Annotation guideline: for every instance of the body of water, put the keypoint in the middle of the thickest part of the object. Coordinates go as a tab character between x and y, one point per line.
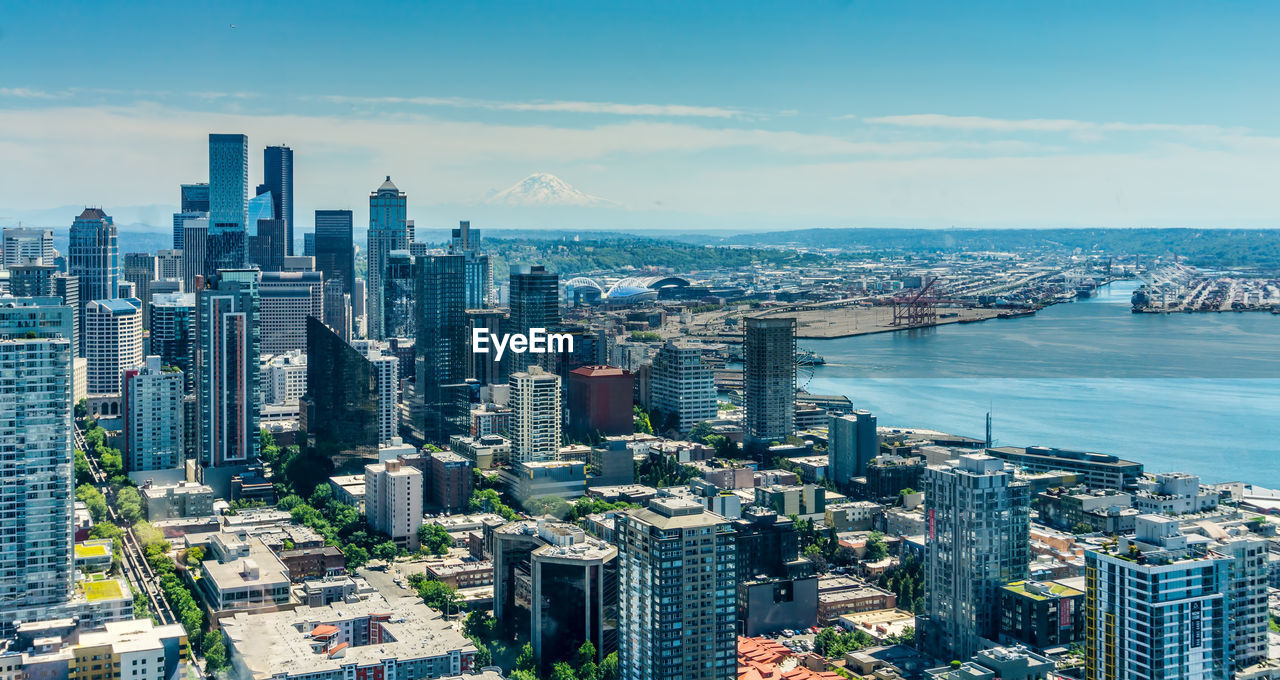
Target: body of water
1198	393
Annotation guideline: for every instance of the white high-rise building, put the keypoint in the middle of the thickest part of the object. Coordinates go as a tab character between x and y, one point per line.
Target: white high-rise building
28	246
169	264
36	495
978	521
112	341
386	367
1157	606
154	426
682	385
284	378
393	500
535	415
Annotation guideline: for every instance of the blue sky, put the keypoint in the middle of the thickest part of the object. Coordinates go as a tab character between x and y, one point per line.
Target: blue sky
731	115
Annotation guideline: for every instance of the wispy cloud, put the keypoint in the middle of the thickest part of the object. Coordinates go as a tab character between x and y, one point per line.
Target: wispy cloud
982	123
28	93
559	106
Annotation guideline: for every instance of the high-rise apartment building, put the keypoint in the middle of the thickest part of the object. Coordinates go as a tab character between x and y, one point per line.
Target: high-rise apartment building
112	342
335	254
36	481
277	177
682	388
769	380
465	241
31	279
140	270
94	255
449	481
287	299
386	371
228	397
535	303
1157	606
1248	618
677	594
397	297
851	443
388	231
535	415
977	539
575	595
393	501
485	368
337	308
30	246
441	324
154	427
173	333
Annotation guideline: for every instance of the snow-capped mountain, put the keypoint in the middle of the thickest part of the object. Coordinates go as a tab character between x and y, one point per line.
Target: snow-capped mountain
543	188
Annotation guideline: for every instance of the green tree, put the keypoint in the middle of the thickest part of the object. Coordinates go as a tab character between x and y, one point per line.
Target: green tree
609	667
700	432
434	539
876	548
479	625
563	671
439	595
195	555
585	654
1082	528
526	660
356	556
386	551
129	504
548	505
215	655
641	420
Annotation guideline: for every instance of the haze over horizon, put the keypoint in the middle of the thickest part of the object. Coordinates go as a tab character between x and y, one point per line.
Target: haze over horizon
703	117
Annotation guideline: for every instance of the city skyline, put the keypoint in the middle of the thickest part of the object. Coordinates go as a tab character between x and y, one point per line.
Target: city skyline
812	116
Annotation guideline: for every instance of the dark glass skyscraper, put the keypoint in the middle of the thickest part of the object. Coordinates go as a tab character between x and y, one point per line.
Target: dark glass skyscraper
398	296
535	303
195	197
440	383
388	231
277	177
465	241
769	379
340	408
335	254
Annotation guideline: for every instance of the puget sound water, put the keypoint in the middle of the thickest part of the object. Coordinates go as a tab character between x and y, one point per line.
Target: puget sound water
1198	393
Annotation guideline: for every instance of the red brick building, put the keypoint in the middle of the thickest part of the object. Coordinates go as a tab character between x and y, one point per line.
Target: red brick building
600	400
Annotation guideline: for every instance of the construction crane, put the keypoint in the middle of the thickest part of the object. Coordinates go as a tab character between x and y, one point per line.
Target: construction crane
916	310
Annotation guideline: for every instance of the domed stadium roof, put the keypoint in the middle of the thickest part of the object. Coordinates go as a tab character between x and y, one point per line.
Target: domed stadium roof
583	282
650	283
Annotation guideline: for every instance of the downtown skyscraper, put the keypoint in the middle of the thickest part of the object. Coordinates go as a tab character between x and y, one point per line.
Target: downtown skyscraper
440	383
465	241
94	255
227	390
36	496
535	303
388	231
226	247
277	177
335	253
